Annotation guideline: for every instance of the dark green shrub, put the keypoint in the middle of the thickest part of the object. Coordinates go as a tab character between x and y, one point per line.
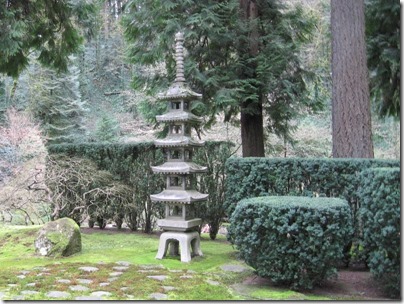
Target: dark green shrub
380	215
294	241
253	177
214	156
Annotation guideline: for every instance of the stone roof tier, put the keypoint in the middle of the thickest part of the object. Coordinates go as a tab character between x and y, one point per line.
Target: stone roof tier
179	196
179	168
179	90
178	141
179	115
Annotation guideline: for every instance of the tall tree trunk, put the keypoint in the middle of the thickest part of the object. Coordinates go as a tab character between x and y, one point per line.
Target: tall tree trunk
252	126
351	117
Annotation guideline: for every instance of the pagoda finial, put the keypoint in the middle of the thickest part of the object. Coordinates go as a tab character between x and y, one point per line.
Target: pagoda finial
179	57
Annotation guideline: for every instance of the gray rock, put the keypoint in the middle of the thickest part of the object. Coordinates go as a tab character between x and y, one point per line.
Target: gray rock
233	268
58	238
85	298
120	268
158	296
84	281
186	277
147	270
151	266
123	263
89	268
112	279
18	298
64	281
101	294
104	284
24	272
78	288
21	276
214	283
30	284
158	277
29	292
124	288
168	288
115	274
12	285
57	294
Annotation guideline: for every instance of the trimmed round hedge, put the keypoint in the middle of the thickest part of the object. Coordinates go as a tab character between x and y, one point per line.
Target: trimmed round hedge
294	241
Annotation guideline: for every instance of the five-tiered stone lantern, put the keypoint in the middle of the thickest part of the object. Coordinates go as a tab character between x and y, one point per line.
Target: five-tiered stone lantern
179	225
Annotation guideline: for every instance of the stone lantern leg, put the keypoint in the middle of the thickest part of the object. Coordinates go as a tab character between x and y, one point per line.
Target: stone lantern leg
180	226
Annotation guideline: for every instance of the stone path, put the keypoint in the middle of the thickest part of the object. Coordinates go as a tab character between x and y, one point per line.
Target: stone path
84	287
78	289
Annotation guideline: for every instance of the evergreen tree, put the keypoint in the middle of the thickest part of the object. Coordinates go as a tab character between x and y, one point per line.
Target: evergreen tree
48	27
55	100
107	129
383	49
240	62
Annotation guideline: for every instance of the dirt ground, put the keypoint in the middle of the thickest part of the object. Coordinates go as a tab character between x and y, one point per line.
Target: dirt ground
351	284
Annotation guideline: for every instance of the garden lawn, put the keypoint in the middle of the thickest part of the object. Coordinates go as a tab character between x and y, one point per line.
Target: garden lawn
26	276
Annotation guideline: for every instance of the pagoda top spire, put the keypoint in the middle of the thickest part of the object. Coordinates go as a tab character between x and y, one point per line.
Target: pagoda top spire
179	89
179	57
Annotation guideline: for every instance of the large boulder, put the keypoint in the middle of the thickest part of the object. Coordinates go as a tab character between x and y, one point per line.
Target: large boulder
59	238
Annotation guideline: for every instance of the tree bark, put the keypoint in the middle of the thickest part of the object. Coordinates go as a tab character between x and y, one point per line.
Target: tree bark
251	119
351	116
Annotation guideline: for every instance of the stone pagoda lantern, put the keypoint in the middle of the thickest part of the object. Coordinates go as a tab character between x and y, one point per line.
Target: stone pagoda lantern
180	225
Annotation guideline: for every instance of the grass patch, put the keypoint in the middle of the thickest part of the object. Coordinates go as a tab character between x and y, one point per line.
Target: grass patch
201	279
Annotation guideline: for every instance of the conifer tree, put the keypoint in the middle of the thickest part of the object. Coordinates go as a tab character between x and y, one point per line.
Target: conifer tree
55	100
51	28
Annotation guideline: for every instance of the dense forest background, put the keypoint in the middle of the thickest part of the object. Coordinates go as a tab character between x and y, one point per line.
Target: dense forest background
98	100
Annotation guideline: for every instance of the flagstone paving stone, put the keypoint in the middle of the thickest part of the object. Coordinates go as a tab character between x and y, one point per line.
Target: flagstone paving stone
158	277
101	293
78	288
158	296
84	281
57	294
120	268
89	268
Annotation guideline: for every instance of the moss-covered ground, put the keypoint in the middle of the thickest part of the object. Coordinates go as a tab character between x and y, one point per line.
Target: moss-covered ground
201	279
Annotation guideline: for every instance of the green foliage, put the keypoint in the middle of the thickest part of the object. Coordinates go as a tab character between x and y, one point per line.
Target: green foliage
214	156
219	62
295	241
107	129
55	101
383	49
45	26
253	177
380	215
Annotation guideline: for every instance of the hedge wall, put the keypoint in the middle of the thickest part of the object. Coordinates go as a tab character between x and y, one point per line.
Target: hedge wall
294	241
254	177
380	215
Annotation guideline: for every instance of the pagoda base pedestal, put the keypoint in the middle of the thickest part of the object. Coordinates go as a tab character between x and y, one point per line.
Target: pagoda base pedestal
180	243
